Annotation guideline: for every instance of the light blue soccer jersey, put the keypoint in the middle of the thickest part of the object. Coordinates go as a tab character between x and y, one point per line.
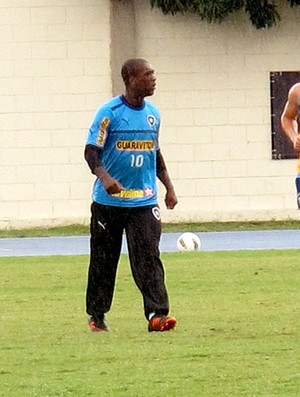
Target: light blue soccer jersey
129	139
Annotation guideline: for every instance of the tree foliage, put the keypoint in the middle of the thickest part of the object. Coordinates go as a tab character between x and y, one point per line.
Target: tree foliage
262	13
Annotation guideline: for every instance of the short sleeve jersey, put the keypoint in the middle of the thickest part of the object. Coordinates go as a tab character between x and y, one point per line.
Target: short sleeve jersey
128	138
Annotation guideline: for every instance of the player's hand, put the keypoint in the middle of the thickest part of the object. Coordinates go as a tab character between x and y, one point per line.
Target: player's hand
171	200
297	142
111	185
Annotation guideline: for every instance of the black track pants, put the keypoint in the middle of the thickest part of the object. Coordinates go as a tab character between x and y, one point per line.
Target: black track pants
143	230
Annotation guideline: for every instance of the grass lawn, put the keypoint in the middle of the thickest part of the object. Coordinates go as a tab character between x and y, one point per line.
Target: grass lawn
81	230
238	329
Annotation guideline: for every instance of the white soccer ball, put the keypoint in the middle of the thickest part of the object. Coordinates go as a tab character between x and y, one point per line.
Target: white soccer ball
188	242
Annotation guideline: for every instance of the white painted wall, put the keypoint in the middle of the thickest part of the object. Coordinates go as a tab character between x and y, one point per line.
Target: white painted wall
54	71
213	92
214	95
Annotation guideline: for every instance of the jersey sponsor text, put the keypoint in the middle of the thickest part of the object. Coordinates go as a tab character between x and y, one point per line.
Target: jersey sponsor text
135	145
103	131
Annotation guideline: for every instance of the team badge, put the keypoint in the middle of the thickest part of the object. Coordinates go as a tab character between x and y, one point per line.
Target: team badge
151	120
156	213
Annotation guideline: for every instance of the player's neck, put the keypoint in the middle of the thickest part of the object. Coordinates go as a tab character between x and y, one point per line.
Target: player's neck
133	100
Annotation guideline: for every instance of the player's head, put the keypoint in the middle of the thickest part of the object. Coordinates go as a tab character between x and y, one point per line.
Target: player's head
138	76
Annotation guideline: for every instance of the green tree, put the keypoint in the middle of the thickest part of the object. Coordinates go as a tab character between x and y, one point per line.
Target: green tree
262	13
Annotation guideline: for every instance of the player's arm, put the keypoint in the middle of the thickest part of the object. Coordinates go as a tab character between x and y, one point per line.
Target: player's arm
163	176
289	116
92	155
95	145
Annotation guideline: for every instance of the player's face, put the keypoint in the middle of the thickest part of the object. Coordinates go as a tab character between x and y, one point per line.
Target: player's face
145	81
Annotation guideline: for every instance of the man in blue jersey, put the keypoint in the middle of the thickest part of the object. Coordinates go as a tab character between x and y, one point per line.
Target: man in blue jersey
122	151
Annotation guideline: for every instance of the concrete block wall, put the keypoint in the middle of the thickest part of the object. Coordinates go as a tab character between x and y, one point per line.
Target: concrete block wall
54	71
213	90
60	59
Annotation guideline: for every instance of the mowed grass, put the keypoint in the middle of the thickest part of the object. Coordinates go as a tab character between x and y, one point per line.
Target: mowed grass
82	230
238	329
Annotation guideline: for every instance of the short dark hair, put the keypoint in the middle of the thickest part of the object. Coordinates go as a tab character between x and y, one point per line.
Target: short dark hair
130	68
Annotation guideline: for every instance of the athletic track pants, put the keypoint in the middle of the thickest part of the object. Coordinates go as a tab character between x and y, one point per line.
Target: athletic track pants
143	230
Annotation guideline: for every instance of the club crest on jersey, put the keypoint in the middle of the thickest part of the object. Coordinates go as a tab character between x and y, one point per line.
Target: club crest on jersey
156	213
151	120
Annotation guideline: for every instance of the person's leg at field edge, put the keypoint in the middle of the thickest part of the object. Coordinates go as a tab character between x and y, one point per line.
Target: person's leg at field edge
105	248
143	232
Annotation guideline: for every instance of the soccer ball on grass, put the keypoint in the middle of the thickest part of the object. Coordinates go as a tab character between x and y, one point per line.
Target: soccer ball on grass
188	242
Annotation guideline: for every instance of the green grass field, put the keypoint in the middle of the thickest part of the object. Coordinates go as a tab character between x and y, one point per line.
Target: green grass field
80	230
238	329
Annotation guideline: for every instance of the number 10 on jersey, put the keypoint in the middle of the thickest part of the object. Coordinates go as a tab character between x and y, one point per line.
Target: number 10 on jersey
136	160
